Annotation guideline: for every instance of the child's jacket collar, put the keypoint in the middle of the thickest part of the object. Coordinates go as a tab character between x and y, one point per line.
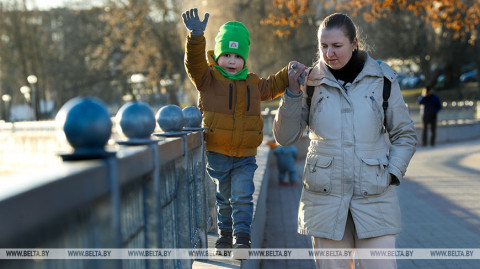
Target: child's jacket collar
211	58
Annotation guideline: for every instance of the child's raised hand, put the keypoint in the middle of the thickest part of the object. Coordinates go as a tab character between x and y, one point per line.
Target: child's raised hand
296	76
192	21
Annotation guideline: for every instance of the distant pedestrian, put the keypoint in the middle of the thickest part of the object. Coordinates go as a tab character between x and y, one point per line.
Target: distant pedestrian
431	106
286	157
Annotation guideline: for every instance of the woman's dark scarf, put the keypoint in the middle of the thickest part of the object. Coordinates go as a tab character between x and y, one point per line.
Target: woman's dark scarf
350	71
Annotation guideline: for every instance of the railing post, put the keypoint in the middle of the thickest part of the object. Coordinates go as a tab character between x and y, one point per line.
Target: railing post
136	120
193	121
198	170
172	120
183	203
87	127
115	201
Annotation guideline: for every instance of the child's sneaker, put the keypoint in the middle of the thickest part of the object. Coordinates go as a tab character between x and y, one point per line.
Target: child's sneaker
224	241
242	240
241	246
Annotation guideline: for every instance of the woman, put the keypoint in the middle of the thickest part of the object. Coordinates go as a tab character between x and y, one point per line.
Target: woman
348	200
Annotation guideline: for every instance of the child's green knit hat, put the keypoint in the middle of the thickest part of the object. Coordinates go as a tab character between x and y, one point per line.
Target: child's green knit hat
232	37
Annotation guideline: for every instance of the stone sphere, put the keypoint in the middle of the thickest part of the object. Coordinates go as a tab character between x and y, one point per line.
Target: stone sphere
135	120
170	118
193	117
85	122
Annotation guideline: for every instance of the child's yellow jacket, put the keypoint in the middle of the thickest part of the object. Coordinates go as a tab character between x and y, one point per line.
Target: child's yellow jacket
230	108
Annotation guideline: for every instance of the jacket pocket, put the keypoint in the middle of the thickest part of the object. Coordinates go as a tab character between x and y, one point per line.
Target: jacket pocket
374	176
318	174
252	132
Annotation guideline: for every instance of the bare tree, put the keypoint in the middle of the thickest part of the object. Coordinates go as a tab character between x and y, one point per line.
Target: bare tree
141	37
19	53
52	45
455	24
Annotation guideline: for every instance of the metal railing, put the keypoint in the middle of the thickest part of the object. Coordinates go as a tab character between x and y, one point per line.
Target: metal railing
452	113
153	196
145	197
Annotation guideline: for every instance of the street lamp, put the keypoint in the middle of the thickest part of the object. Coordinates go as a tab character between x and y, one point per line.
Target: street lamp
137	81
127	97
32	80
166	82
169	95
6	100
25	90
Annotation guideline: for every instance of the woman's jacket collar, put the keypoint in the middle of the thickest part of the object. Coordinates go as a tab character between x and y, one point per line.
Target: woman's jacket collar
320	73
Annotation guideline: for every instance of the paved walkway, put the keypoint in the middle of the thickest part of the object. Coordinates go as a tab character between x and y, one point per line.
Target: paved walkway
281	223
440	202
439	199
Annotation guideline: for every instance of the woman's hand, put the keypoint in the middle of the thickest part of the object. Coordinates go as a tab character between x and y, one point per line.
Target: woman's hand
296	76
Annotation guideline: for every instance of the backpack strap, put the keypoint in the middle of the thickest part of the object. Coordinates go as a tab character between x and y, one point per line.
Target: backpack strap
388	76
310	90
387	88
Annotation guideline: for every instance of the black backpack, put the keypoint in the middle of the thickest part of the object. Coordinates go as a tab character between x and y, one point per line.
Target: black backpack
387	87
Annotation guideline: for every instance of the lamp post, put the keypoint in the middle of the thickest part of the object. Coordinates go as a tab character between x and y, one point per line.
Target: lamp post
171	95
137	81
25	90
6	105
32	80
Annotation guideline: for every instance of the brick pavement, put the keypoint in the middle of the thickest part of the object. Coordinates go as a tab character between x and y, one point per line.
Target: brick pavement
439	199
440	203
281	223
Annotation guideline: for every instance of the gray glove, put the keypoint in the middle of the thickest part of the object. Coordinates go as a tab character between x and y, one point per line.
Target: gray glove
301	78
192	21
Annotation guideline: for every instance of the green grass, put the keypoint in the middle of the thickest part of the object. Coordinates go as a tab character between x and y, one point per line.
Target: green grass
412	92
411	95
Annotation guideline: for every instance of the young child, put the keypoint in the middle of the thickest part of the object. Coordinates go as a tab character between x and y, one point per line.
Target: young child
286	156
229	98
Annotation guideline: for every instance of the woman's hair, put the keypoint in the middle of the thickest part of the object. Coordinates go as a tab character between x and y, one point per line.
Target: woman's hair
340	21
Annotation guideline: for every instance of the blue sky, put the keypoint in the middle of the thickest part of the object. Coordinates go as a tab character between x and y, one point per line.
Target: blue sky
48	4
45	4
